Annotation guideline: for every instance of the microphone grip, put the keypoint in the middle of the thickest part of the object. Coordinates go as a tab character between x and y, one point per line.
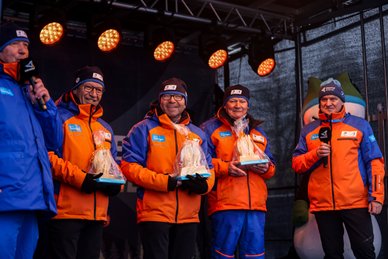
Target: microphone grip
324	160
41	102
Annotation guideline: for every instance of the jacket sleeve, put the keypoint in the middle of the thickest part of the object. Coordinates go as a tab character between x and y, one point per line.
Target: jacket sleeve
272	164
134	158
66	172
210	180
51	125
374	162
220	167
303	160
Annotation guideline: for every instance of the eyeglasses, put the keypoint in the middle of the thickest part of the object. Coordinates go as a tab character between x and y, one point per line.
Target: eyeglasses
89	88
167	97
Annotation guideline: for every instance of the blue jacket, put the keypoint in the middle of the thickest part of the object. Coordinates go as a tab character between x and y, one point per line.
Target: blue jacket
25	172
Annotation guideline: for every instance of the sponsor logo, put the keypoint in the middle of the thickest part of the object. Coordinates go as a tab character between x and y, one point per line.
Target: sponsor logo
170	87
21	33
349	133
236	91
372	138
108	136
6	91
225	134
29	66
158	138
98	76
74	128
258	138
314	136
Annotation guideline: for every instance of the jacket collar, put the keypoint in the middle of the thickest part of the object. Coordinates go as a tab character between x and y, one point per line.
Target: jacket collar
334	117
83	111
166	122
11	69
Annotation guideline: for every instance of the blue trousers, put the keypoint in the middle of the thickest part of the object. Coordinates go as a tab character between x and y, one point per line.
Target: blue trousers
18	234
238	228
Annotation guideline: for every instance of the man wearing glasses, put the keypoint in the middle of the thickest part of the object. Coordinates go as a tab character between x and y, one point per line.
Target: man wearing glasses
167	209
76	232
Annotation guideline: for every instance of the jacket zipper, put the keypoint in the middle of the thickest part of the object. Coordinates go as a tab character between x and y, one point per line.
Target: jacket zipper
330	161
249	192
176	190
94	145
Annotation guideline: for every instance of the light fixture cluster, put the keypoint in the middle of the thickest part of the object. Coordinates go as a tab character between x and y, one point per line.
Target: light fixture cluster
52	28
161	41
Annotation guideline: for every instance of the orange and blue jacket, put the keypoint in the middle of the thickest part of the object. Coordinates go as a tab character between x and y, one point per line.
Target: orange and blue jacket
229	192
149	153
73	160
355	172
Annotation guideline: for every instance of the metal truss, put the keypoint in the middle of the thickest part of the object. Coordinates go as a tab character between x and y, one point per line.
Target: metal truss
230	16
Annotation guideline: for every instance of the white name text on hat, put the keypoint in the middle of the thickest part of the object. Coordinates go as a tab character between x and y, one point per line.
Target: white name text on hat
236	91
21	33
98	76
170	87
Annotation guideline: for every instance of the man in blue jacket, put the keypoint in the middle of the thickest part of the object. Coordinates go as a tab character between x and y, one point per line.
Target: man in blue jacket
26	187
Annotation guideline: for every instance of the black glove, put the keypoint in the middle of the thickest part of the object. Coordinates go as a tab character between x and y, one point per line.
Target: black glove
109	189
172	182
89	184
196	184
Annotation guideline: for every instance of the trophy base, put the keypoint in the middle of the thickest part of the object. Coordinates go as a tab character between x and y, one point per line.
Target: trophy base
110	180
193	170
254	162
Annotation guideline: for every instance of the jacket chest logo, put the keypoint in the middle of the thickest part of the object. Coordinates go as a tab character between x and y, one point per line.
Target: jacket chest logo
75	128
314	136
158	138
108	136
224	134
349	134
6	91
258	138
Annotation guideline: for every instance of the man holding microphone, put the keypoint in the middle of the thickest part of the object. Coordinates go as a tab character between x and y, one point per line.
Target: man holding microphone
346	184
26	133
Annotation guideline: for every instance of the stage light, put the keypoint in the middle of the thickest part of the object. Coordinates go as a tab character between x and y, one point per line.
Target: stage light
107	33
51	26
160	40
261	55
51	33
109	40
164	50
213	51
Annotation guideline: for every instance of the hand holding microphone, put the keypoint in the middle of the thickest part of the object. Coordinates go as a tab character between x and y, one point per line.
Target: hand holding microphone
39	92
323	150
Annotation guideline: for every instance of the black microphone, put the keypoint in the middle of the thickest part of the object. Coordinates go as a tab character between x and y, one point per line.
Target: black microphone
324	136
29	72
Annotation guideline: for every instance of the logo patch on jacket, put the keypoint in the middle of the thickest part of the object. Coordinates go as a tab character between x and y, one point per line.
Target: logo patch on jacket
372	138
314	136
74	127
258	138
225	134
349	133
108	136
6	91
158	138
